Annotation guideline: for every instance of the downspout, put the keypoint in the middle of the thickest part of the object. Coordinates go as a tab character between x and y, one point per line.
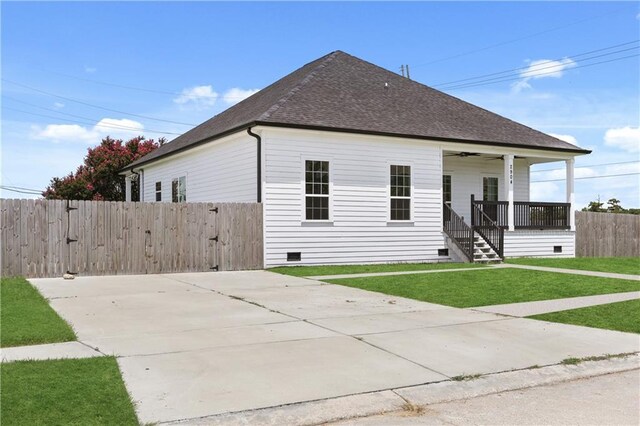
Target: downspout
259	163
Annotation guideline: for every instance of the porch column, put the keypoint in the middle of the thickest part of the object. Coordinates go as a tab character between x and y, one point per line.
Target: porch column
127	188
508	189
570	164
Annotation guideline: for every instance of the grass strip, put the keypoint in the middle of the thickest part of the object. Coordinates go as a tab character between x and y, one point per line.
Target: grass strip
314	271
618	265
27	318
466	289
69	391
620	316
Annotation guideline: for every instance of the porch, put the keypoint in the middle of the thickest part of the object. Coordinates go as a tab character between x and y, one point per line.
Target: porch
486	204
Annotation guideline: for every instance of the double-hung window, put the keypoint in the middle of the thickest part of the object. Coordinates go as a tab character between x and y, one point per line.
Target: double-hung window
316	183
158	191
179	189
400	192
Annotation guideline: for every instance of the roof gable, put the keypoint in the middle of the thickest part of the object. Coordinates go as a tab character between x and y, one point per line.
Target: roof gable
342	92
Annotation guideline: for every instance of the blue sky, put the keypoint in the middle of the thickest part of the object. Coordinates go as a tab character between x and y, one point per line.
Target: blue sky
197	59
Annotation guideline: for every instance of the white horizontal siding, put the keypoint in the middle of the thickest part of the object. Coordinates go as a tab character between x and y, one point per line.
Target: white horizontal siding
360	231
536	243
222	171
466	179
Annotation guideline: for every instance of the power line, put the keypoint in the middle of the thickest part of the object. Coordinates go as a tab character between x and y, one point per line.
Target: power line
489	82
4	188
517	39
548	62
110	126
122	86
92	120
93	105
587	177
591	165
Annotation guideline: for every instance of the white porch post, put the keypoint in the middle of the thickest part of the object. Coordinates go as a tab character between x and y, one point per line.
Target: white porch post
570	164
508	189
127	188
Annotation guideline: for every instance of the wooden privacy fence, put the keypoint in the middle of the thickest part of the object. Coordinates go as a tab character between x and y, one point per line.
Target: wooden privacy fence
46	238
607	234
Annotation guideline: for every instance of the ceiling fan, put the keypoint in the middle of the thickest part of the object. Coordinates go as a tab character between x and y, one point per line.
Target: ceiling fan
463	154
501	157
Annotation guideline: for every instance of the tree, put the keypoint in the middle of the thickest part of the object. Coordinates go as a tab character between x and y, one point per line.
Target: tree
613	206
97	178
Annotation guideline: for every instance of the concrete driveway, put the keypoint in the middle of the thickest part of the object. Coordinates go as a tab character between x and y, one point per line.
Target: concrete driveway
200	344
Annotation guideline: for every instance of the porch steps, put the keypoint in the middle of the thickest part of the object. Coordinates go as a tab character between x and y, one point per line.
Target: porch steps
482	252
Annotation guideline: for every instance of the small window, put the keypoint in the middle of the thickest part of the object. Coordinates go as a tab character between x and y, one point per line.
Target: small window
557	249
400	186
316	180
179	190
443	252
446	189
158	191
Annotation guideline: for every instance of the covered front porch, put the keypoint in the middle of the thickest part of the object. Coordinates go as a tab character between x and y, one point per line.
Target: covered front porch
486	195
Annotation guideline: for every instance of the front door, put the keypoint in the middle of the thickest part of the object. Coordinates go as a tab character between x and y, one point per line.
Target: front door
490	196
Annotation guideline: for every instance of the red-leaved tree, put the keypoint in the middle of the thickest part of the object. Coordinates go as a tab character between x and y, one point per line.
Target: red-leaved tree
98	178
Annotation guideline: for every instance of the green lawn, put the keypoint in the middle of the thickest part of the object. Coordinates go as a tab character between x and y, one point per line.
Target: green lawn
70	392
621	316
489	287
619	265
310	271
26	317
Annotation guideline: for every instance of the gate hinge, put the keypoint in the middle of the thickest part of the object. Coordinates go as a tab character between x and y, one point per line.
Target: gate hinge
71	273
69	208
70	240
215	209
214	239
214	268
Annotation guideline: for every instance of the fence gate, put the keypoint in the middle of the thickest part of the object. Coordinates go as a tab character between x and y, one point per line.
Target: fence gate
42	238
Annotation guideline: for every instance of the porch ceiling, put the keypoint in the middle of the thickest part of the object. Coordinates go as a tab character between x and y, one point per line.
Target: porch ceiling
497	157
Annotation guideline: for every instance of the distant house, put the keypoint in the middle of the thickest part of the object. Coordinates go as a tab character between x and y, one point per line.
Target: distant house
356	164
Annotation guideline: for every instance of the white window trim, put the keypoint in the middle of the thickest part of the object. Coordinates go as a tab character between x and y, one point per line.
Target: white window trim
413	191
303	193
155	192
480	195
186	193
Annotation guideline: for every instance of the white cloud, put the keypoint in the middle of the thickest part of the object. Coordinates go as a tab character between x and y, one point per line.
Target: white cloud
542	68
58	105
197	96
543	191
567	138
90	70
235	95
116	128
625	138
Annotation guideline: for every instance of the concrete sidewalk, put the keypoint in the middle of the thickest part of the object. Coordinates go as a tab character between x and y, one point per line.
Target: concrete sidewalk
48	351
570	271
201	344
526	309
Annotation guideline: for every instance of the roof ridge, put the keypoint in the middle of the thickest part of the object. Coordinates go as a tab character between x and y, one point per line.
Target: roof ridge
283	100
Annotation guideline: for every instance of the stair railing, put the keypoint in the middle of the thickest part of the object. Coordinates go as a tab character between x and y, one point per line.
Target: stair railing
488	229
459	232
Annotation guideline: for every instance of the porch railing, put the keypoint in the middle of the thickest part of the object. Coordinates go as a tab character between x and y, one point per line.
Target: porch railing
459	232
488	229
526	214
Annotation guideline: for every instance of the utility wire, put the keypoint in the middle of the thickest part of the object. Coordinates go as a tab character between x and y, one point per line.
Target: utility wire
124	86
547	62
591	165
4	188
587	177
110	126
93	105
469	52
489	81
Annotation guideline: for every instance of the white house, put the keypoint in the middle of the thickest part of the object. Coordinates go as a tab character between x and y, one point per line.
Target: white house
356	164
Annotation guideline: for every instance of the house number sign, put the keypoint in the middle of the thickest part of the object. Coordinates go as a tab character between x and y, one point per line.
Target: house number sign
510	174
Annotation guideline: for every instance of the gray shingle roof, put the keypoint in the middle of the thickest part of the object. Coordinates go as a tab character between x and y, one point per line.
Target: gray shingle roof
343	93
